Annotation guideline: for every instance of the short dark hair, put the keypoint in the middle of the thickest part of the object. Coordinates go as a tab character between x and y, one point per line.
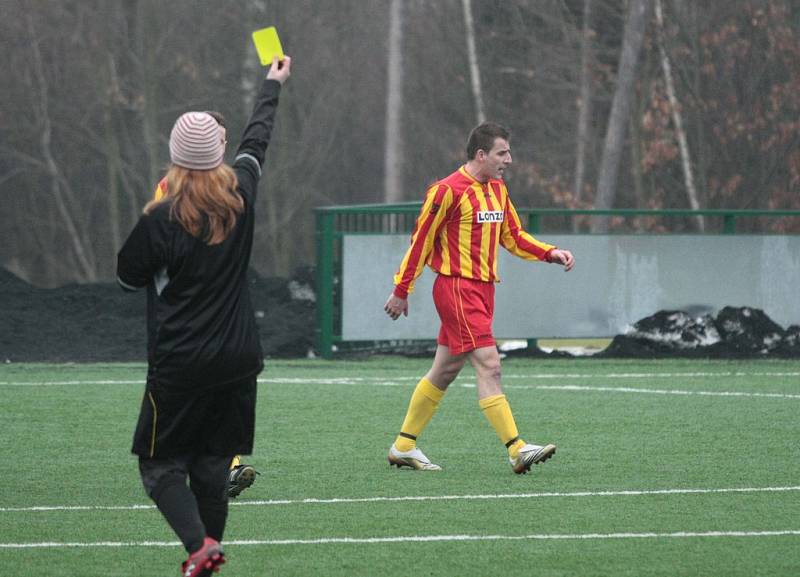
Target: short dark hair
217	116
483	136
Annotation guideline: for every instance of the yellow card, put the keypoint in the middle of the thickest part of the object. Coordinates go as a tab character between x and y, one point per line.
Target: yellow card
268	45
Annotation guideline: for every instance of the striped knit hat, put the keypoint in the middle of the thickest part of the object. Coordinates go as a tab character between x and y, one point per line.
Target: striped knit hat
196	142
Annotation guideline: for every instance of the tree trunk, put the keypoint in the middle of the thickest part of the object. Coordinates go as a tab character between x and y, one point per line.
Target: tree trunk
636	164
697	84
677	119
148	83
113	158
474	69
638	16
393	154
584	105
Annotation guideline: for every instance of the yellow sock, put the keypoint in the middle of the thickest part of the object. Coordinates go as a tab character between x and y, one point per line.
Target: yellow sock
236	462
421	408
498	413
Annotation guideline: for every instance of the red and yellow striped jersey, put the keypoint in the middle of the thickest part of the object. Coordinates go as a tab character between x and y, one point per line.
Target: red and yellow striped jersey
161	189
460	226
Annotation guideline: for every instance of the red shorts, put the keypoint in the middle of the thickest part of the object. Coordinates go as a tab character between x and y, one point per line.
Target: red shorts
466	309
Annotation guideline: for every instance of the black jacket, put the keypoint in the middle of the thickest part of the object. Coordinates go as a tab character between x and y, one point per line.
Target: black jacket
201	327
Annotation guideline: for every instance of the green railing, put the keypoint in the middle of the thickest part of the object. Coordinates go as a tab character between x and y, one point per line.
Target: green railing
333	222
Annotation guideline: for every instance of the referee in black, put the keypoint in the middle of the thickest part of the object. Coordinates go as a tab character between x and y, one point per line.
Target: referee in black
191	249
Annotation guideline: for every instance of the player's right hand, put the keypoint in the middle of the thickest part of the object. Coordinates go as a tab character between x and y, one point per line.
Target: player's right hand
396	306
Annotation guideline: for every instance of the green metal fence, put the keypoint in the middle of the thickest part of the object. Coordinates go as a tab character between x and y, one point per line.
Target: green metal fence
333	223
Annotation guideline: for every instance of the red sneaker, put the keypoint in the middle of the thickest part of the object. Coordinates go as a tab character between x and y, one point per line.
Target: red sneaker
205	560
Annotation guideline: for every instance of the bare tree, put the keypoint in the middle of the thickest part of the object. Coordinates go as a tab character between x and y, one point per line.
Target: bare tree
114	162
584	102
145	57
84	125
677	119
474	69
638	16
393	156
59	186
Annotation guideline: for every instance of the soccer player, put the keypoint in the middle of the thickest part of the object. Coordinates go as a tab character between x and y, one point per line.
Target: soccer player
241	475
464	219
191	249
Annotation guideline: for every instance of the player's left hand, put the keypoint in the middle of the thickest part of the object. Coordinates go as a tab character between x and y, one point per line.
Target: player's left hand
563	257
280	69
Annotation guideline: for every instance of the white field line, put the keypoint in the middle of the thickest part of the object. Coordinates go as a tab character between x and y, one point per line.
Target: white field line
67	383
479	497
406	381
656	391
702	375
415	539
411	380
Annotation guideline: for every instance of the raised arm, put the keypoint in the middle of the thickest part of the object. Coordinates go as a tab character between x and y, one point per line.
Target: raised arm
253	147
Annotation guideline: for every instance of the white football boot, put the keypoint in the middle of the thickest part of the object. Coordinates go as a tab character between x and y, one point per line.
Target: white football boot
414	458
531	455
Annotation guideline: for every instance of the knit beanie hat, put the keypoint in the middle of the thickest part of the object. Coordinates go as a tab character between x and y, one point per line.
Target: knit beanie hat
196	142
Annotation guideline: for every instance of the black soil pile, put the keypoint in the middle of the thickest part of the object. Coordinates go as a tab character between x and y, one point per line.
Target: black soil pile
735	333
101	323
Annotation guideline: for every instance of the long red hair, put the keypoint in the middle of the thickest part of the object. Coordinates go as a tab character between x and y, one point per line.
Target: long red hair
204	202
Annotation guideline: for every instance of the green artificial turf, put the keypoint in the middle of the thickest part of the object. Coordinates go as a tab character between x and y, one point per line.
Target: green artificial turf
663	468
